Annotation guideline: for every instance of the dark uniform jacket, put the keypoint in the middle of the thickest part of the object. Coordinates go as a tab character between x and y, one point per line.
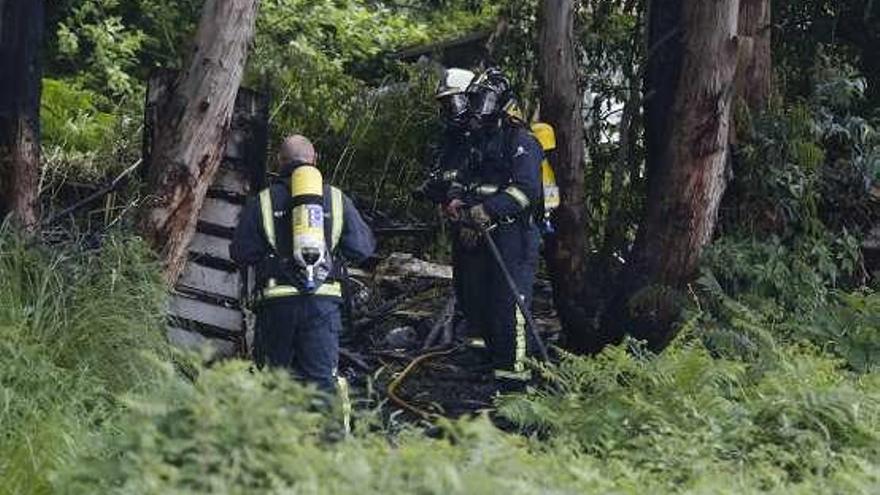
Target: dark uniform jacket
500	169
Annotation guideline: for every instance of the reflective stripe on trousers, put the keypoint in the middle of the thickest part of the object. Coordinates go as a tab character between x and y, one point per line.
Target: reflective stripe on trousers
332	289
519	364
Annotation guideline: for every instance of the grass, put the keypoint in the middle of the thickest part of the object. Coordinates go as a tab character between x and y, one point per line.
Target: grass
76	330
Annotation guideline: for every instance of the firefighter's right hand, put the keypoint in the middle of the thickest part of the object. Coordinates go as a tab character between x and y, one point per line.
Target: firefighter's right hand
454	209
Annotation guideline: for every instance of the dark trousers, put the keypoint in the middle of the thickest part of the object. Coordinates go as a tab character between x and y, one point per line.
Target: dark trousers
300	333
487	301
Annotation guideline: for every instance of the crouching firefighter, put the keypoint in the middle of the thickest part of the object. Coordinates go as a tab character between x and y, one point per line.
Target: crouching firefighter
492	165
296	233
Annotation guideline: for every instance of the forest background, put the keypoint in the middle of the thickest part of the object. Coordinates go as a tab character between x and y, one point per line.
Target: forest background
771	383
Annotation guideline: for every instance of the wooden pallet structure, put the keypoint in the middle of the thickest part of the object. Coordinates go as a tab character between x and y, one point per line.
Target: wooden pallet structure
206	305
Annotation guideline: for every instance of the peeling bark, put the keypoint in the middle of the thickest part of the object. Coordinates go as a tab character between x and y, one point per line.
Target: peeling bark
192	129
21	37
688	175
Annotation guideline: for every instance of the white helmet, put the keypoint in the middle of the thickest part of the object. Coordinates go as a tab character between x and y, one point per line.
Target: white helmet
454	81
452	95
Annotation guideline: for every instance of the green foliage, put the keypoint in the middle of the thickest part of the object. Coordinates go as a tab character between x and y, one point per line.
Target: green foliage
385	149
851	329
808	167
85	137
70	118
240	432
100	41
797	277
93	405
694	420
319	60
75	329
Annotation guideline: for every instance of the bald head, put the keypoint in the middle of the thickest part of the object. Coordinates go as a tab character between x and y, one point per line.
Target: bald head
297	149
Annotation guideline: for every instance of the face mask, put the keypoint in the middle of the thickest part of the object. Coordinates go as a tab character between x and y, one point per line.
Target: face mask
454	109
484	104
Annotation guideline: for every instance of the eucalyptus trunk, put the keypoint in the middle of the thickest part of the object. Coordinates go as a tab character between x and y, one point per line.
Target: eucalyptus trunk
561	107
687	169
192	129
755	71
21	38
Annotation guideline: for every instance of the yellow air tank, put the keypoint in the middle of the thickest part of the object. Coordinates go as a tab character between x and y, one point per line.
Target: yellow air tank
545	135
309	244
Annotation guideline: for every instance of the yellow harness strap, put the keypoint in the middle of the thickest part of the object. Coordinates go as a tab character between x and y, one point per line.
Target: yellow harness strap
337	209
268	216
331	289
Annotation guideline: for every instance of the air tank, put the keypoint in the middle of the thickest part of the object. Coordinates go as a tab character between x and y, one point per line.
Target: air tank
309	244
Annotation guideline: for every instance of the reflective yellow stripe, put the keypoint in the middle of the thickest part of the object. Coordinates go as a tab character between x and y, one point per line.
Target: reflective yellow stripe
518	196
520	353
486	189
268	216
513	375
337	208
450	175
342	389
329	289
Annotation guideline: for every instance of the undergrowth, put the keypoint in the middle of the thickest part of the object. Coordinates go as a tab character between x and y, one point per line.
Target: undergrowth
748	399
76	329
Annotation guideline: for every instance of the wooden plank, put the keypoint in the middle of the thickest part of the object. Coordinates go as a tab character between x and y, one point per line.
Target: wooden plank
235	144
213	246
207	313
210	280
220	212
231	181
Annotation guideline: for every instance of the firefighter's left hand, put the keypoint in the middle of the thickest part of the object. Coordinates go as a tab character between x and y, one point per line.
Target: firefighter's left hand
479	216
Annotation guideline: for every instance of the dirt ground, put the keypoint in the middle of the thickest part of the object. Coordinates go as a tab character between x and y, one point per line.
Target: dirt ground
454	379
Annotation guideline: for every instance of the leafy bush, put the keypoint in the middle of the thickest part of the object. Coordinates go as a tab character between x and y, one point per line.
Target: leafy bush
851	329
86	138
70	118
386	150
96	34
692	419
321	59
810	166
241	432
624	422
798	276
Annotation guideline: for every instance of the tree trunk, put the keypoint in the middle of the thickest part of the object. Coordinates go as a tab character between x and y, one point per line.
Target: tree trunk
687	173
192	129
561	107
755	71
21	37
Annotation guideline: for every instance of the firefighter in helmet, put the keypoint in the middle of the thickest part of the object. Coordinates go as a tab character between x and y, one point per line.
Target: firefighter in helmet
491	166
296	233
